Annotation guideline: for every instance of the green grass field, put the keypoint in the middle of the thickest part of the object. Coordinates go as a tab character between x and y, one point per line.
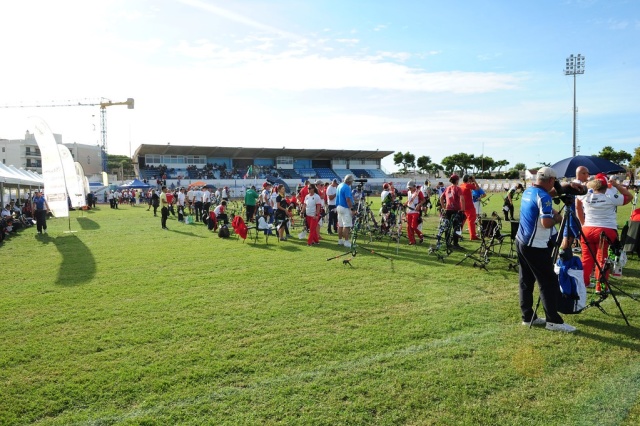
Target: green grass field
120	323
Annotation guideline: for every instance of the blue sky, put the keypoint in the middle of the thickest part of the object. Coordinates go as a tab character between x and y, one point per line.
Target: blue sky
430	77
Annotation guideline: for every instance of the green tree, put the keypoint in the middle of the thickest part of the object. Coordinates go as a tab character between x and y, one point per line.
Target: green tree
461	162
619	157
405	160
635	160
120	165
500	164
423	163
520	167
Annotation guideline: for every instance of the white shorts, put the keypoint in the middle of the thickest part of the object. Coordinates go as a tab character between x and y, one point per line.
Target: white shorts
344	217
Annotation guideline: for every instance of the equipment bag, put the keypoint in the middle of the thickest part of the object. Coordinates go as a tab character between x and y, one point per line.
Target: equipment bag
224	232
571	279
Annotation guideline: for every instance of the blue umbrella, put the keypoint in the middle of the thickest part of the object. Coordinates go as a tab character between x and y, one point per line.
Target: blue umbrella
568	166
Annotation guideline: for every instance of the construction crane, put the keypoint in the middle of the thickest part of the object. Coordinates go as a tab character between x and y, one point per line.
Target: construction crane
103	103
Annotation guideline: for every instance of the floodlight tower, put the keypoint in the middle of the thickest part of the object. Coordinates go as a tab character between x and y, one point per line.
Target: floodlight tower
574	66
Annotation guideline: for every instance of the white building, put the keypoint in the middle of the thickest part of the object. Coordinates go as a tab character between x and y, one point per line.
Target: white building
25	154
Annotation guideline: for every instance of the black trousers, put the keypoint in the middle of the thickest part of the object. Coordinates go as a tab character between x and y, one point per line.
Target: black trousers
251	212
508	209
536	264
456	225
198	205
164	213
41	220
333	218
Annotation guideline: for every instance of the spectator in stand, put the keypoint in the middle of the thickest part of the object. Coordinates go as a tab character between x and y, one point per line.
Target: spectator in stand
41	209
468	186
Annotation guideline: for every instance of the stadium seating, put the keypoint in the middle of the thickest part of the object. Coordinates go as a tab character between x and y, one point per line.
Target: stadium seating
360	173
326	174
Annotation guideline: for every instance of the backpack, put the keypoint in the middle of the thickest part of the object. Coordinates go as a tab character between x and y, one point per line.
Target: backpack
571	280
224	232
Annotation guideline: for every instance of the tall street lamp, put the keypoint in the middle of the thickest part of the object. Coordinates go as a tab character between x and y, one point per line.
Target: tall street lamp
574	66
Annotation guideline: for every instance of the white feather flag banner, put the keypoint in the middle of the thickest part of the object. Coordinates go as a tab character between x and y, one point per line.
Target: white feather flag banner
55	190
70	179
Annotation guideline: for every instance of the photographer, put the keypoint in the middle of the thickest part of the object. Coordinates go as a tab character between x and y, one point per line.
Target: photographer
572	228
534	245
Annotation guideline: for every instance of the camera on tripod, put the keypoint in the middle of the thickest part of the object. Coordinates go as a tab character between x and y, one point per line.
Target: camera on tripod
360	182
566	192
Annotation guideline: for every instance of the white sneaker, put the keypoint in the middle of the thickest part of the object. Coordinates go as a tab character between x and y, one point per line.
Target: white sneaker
347	244
340	242
458	233
537	321
560	327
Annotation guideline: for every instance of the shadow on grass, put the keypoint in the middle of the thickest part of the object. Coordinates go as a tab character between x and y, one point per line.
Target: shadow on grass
87	224
78	264
619	327
189	234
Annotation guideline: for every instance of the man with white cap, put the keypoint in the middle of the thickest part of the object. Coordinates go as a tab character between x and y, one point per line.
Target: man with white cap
331	205
534	246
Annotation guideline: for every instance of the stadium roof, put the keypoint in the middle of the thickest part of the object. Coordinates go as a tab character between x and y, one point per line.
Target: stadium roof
239	152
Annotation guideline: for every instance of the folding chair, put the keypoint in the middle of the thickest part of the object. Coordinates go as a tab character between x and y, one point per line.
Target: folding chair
239	227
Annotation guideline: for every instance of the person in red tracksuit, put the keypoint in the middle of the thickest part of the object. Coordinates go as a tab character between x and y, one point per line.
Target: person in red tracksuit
469	184
312	205
415	200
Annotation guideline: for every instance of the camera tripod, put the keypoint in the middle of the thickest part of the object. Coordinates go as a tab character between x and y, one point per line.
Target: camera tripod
490	235
353	250
607	289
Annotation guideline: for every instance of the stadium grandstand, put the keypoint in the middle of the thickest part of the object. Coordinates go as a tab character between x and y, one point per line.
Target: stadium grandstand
241	167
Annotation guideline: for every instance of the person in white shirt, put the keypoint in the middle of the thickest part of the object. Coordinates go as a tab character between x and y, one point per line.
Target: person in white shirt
600	218
191	200
331	193
206	200
312	206
181	201
197	202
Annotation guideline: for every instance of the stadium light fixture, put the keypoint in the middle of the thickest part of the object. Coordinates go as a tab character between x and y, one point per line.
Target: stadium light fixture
574	66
